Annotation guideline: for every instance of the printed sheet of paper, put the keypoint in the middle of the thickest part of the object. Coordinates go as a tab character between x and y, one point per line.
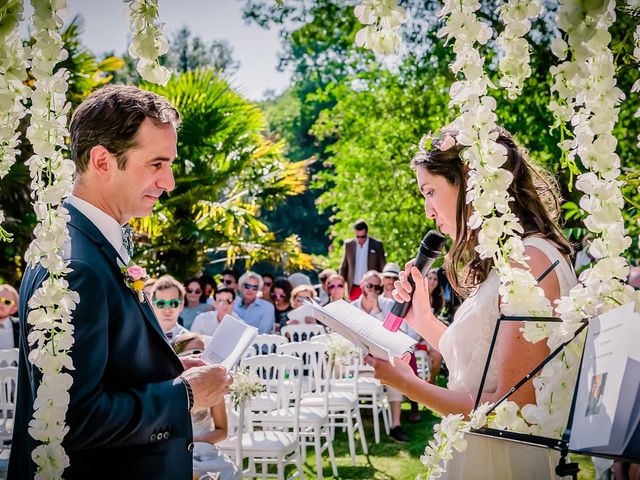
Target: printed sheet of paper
362	329
607	397
229	342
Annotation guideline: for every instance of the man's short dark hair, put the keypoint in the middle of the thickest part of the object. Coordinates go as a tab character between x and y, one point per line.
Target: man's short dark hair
222	288
111	117
360	225
233	273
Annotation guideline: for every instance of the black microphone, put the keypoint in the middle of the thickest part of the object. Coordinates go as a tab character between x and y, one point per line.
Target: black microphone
430	248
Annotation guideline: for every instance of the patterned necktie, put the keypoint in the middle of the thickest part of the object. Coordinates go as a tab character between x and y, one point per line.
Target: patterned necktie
127	239
168	334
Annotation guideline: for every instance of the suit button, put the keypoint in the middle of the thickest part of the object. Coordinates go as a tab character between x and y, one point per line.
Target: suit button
152	437
165	435
190	447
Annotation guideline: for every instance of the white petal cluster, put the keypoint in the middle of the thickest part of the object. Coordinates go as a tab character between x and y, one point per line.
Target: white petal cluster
52	305
382	19
13	91
514	66
148	41
245	386
447	436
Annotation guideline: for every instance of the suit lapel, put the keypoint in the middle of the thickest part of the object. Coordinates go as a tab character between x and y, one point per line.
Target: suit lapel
86	226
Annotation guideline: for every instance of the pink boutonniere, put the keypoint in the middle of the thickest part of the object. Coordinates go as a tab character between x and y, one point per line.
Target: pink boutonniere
134	278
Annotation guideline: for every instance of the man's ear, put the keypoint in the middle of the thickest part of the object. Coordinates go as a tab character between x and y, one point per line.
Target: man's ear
102	162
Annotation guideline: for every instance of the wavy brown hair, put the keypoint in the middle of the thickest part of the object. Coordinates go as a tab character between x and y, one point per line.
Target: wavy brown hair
535	202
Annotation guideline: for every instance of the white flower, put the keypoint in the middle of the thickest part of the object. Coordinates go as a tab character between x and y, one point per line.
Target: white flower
382	19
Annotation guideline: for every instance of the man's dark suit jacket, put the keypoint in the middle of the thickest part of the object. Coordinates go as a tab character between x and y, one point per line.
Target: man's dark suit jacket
375	258
127	417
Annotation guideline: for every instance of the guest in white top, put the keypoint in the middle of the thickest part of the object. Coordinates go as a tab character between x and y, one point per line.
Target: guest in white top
167	300
206	323
9	326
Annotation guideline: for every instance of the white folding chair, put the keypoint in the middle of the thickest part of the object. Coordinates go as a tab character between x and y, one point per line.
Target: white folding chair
280	447
424	365
344	404
267	343
301	332
9	357
314	421
8	383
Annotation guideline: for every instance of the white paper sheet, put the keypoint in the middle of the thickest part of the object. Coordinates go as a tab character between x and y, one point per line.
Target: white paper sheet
362	329
229	342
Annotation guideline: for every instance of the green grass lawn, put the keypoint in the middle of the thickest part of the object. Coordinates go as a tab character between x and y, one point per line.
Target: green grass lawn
390	460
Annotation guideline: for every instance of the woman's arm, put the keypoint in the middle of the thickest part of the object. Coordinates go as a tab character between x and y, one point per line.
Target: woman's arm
219	433
513	355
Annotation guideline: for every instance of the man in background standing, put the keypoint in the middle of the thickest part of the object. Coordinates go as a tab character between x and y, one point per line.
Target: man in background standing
361	254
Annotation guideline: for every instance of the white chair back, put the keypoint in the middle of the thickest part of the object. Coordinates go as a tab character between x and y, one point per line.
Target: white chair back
9	357
325	338
423	363
8	383
301	332
315	364
267	343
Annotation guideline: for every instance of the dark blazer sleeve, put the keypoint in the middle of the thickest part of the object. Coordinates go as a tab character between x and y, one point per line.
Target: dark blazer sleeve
382	258
344	268
100	416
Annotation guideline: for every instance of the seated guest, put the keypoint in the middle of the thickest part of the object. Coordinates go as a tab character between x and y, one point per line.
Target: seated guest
369	299
230	278
206	323
209	285
390	273
321	288
267	286
281	297
248	307
209	425
298	296
190	343
167	300
337	287
195	302
9	325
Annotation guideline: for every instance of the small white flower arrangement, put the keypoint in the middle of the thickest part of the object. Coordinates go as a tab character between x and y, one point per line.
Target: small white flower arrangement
245	386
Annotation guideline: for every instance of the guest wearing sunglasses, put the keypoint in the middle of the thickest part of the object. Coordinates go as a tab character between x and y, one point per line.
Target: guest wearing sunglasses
252	310
9	325
298	297
267	287
230	278
195	302
370	300
336	286
209	286
167	299
206	323
281	297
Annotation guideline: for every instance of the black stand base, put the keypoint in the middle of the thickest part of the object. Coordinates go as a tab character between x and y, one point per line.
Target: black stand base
564	469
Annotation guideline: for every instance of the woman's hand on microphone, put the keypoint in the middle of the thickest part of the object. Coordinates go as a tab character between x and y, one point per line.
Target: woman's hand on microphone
420	311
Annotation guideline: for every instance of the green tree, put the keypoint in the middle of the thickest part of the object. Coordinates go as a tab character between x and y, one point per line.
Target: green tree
86	74
226	172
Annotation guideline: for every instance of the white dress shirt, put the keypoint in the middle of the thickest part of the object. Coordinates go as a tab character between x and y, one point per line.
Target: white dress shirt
362	261
107	225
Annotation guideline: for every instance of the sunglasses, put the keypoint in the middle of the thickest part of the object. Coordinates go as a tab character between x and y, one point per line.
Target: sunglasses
162	304
228	282
248	286
361	236
301	298
339	285
196	291
7	301
278	295
267	284
222	300
372	285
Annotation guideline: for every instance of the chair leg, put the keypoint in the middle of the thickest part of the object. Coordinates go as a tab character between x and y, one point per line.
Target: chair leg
299	464
317	434
280	469
385	414
332	455
363	439
352	441
376	421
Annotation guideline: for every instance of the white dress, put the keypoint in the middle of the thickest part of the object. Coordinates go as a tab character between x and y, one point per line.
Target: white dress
464	347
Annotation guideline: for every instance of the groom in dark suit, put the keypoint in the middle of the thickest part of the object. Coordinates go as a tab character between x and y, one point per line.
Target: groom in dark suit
361	254
130	402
